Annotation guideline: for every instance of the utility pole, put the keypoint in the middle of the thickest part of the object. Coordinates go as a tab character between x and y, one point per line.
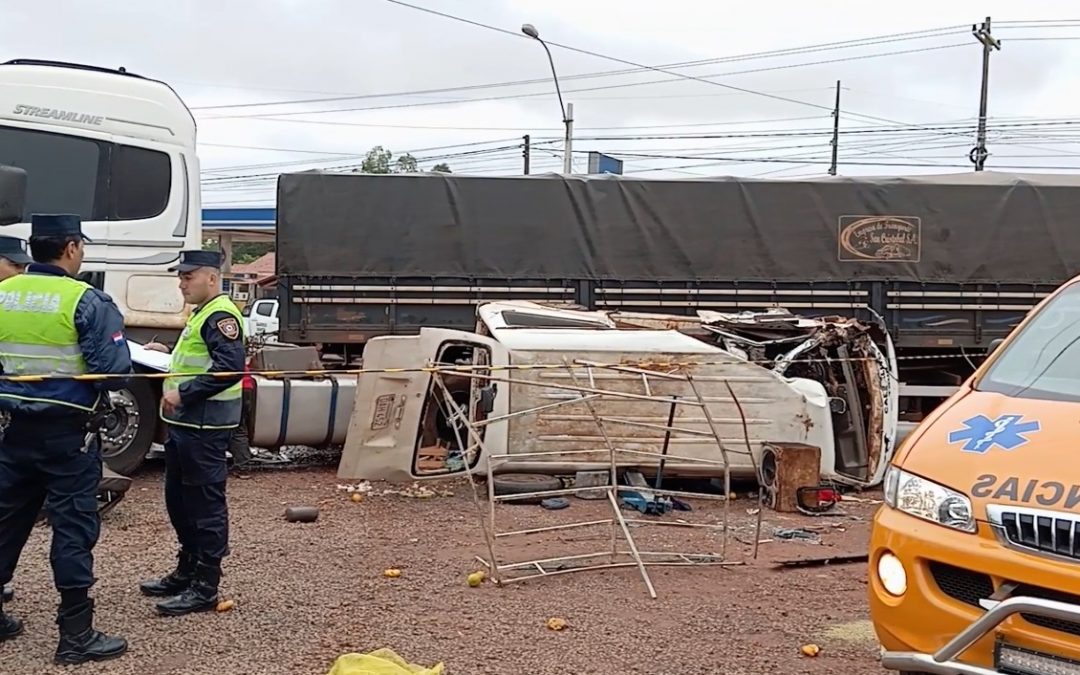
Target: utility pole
568	143
982	33
835	131
525	153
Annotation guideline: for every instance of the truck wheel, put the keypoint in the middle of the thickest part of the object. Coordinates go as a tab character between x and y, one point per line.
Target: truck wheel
129	430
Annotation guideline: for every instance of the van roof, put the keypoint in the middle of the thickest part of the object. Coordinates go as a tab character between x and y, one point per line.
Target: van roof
611	341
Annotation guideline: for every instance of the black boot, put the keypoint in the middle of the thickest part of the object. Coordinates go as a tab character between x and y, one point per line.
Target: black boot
79	642
9	625
8	594
200	596
175	581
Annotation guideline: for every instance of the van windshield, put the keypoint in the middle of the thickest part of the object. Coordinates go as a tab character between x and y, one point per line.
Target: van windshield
1043	361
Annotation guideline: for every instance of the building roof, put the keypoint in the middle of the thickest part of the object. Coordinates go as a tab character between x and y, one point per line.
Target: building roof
261	267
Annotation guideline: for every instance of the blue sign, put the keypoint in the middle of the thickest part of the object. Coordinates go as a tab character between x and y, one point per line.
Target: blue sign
601	163
980	433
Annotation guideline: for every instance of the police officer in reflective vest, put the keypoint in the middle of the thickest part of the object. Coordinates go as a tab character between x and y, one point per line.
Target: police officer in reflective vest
202	413
13	261
52	324
13	258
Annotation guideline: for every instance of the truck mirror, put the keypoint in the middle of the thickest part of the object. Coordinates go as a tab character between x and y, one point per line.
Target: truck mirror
994	344
12	194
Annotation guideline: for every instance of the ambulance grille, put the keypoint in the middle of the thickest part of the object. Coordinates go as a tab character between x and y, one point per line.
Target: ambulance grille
1036	531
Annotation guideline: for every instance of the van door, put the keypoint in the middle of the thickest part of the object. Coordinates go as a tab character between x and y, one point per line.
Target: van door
402	426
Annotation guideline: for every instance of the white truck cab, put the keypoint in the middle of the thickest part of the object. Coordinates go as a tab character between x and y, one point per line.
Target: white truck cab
118	150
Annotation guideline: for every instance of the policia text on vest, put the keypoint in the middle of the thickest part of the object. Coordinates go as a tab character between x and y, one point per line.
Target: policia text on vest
50	323
201	413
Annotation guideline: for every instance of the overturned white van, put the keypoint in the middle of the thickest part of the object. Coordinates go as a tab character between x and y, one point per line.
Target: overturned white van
535	379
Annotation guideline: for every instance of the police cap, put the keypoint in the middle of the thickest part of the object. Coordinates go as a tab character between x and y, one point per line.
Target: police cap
14	250
193	260
57	225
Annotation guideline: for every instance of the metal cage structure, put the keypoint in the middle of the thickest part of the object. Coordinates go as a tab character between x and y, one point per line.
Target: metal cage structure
623	551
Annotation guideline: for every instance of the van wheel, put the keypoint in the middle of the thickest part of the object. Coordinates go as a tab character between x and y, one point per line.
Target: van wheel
523	483
128	431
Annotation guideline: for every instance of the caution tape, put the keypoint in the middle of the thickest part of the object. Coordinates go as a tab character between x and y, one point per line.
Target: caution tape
461	369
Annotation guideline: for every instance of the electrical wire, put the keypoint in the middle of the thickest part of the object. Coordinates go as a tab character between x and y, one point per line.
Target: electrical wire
828	46
284	116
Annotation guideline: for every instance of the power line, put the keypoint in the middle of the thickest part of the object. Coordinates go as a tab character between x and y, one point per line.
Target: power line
640	65
827	46
282	116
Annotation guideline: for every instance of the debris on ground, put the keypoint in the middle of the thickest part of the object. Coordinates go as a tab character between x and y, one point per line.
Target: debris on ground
800	533
225	605
555	503
328	597
362	487
810	650
476	578
556	623
392	573
302	514
822	562
380	662
417	491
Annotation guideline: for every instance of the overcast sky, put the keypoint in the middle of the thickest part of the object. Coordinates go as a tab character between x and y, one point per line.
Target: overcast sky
915	110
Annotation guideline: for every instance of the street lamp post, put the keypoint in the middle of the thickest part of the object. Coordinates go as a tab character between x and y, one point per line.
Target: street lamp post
567	110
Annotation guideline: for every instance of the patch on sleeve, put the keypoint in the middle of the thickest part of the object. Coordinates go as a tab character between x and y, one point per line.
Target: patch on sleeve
118	337
229	328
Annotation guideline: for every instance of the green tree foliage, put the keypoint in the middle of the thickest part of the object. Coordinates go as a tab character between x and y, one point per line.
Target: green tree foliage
381	160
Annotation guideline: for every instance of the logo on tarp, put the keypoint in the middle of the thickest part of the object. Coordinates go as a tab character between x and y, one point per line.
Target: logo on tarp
980	433
880	238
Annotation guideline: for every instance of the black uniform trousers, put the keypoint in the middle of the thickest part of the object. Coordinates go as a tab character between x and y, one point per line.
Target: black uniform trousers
39	460
195	476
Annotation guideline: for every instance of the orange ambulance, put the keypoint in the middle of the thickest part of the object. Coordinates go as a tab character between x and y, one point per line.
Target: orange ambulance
975	556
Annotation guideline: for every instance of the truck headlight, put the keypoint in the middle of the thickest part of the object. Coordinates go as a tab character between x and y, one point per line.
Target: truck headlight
928	500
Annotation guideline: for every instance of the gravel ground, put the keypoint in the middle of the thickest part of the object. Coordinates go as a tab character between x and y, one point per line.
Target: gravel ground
306	593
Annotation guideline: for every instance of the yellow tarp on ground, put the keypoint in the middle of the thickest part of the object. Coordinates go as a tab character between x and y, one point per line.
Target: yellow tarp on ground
380	662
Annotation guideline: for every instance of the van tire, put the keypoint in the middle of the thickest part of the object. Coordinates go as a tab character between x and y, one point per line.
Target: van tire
523	483
136	416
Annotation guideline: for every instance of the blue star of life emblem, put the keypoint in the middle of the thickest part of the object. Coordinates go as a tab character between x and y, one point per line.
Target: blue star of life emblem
982	433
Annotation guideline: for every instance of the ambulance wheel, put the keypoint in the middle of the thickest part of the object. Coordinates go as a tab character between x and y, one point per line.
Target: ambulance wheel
129	429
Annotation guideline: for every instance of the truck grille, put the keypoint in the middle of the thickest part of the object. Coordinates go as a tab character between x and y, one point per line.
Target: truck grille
1035	530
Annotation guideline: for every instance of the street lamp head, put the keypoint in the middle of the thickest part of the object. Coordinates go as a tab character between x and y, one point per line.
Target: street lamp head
530	30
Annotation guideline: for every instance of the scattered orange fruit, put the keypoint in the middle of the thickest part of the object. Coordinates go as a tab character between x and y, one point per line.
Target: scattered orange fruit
357	497
476	578
810	650
392	573
225	605
556	623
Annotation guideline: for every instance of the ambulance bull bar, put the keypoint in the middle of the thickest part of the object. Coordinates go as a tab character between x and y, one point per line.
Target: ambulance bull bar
943	662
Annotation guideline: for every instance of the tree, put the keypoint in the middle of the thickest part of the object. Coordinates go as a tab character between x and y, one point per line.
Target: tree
381	160
405	164
377	161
